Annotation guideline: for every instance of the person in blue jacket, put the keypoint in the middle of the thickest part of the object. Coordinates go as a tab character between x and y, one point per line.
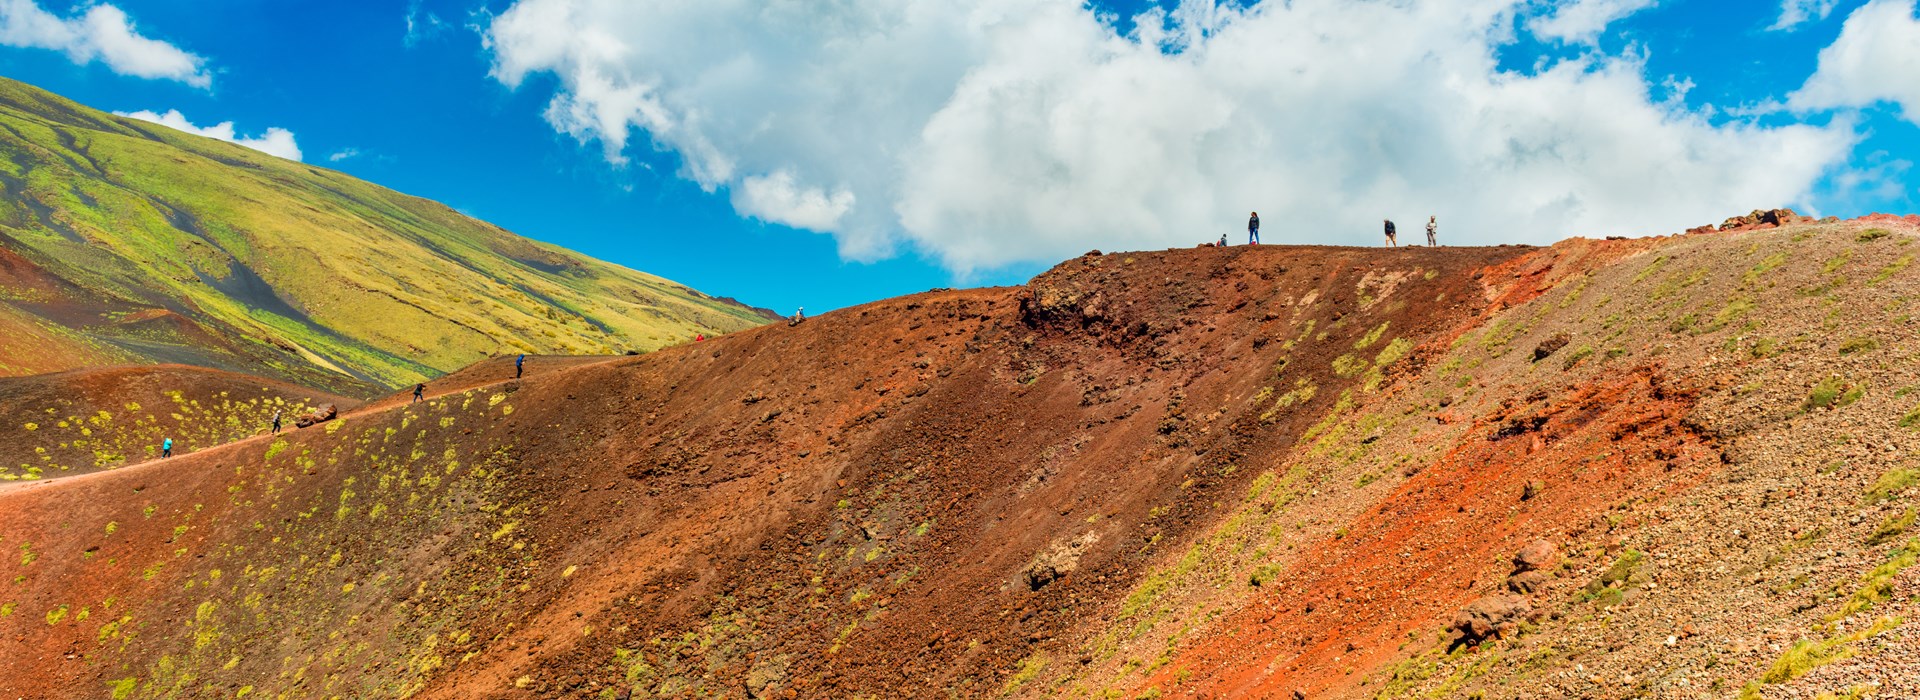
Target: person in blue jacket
518	364
166	447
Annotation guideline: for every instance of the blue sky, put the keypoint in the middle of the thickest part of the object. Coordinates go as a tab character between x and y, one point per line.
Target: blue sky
999	151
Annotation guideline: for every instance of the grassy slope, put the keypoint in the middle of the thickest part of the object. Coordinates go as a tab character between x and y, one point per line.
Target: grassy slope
292	266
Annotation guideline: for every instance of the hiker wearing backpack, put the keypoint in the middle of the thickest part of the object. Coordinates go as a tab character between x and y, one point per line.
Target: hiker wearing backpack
1433	227
518	362
1253	229
1391	242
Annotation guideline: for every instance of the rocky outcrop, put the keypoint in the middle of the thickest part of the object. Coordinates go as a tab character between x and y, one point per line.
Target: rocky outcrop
320	415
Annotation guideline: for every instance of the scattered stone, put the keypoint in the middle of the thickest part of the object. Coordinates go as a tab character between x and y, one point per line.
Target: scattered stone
1536	556
1550	346
1490	617
1528	582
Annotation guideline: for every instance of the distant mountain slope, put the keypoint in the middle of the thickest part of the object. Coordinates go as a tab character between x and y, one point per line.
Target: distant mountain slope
123	241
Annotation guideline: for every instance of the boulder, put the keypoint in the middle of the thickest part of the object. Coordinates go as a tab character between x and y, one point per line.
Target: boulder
1528	582
1536	556
319	415
1548	347
1490	617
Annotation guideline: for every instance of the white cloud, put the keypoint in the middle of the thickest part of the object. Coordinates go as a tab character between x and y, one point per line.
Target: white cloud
275	142
1583	20
778	199
421	25
1002	131
1794	13
102	33
1876	59
343	154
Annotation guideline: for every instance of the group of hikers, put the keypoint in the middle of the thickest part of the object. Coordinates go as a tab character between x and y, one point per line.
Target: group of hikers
419	394
1393	241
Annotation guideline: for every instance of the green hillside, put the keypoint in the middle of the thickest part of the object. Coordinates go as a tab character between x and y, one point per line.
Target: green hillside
128	242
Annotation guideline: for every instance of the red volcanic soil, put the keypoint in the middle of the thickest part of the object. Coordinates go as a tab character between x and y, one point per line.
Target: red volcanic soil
967	473
1408	563
1054	489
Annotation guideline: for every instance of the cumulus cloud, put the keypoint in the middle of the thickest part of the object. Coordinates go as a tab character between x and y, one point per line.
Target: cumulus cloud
275	142
1002	131
102	33
1794	13
1583	20
779	199
1876	59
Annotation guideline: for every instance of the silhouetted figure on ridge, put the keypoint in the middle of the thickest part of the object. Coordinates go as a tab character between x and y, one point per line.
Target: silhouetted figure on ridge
1391	241
1253	229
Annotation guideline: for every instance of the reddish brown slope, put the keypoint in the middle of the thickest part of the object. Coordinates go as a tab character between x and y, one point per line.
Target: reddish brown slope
1238	472
806	502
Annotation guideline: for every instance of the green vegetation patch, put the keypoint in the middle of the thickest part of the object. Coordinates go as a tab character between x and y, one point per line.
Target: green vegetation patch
1891	483
1771	263
1807	654
1872	234
1610	588
1372	336
1894	526
1833	392
1877	584
1857	345
1892	268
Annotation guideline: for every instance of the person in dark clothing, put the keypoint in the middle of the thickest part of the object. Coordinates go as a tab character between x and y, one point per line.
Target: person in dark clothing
1391	242
276	421
166	447
1253	229
1223	241
518	363
418	389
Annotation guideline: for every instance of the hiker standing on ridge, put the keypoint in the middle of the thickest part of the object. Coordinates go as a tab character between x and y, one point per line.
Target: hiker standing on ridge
518	362
1433	227
166	447
417	390
276	421
1391	242
1253	229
